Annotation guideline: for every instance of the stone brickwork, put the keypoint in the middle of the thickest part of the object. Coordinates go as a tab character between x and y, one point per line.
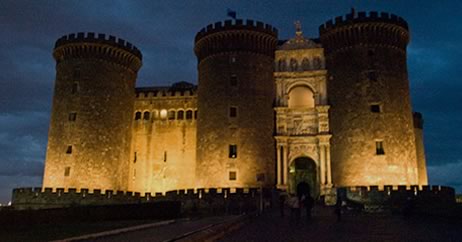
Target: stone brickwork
235	72
163	153
396	197
233	200
373	140
90	128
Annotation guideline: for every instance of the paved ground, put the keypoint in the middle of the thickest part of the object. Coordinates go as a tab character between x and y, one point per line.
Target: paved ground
324	227
166	232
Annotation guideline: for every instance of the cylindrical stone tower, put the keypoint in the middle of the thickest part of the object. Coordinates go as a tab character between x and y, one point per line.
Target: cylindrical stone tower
235	145
90	128
373	140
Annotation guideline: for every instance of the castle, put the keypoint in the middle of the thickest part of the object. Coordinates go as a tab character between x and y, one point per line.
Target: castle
333	112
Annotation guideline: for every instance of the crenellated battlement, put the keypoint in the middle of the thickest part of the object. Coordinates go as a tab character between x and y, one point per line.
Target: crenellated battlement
390	196
101	46
160	92
91	37
364	29
363	17
238	24
38	197
236	36
403	188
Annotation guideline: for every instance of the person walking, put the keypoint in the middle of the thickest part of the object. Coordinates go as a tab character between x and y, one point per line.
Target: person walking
294	203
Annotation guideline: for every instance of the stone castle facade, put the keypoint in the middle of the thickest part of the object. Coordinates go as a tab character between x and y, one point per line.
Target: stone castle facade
333	112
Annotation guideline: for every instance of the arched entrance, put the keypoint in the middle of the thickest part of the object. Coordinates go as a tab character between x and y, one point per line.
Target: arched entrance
303	169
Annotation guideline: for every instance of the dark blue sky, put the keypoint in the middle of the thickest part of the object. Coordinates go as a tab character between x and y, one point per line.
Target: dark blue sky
164	32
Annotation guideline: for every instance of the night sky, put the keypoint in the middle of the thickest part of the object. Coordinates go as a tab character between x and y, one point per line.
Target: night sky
164	31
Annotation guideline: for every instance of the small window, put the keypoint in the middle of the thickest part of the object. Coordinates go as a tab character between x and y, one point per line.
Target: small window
232	175
233	112
232	59
137	115
195	114
293	65
165	156
233	151
306	64
375	108
163	114
282	65
372	75
72	117
171	115
146	115
233	80
379	148
180	115
75	87
69	149
317	63
371	52
155	114
134	158
67	171
189	114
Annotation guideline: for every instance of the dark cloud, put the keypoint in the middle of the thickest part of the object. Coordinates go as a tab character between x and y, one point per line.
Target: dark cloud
164	31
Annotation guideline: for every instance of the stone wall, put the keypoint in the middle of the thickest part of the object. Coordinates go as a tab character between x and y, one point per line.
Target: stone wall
163	153
396	198
232	200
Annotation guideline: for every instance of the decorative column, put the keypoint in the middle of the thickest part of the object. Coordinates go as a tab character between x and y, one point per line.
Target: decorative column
329	171
323	164
285	170
278	165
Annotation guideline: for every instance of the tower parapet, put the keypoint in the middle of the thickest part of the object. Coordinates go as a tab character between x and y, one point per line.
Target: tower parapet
228	36
82	45
364	28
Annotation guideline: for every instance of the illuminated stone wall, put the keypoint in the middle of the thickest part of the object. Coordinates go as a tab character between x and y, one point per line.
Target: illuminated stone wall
164	140
302	117
369	95
90	128
235	71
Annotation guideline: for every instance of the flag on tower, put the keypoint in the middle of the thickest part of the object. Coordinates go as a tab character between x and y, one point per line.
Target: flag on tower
231	13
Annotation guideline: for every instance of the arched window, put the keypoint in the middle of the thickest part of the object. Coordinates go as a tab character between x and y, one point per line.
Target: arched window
189	114
306	64
293	65
137	115
317	63
180	115
282	65
171	115
146	115
301	97
195	114
163	114
155	114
